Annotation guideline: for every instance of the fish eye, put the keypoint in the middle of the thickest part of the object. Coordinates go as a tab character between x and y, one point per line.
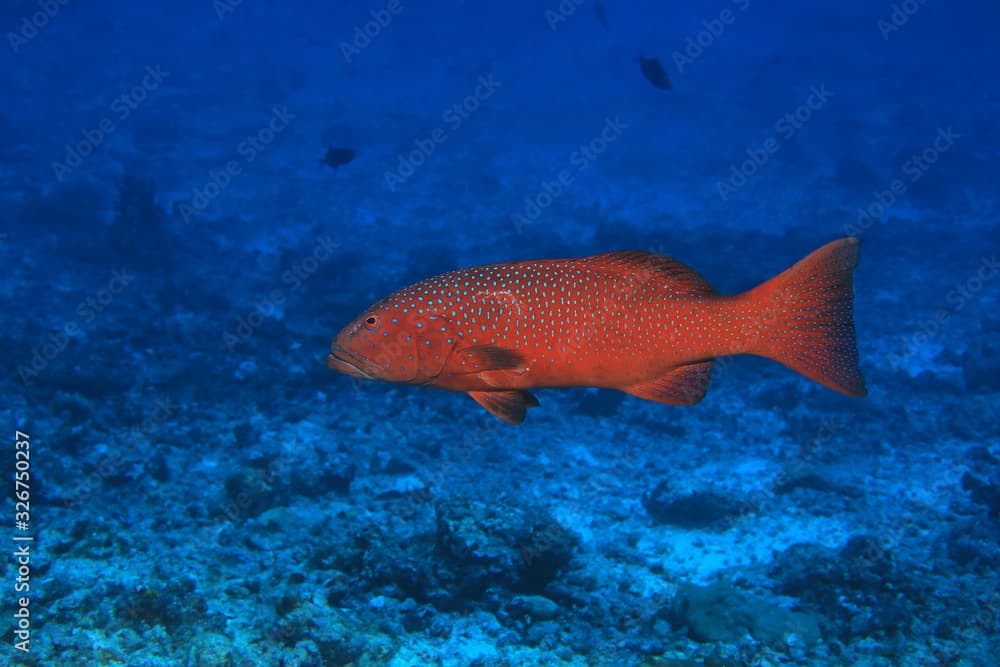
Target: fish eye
371	322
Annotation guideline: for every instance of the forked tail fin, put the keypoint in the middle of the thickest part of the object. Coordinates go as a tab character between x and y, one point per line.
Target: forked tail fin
809	317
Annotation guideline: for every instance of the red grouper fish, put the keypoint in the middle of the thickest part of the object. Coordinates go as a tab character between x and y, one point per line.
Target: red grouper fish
638	322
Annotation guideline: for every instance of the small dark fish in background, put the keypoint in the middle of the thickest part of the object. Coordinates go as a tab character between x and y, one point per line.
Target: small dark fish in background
337	157
653	70
602	15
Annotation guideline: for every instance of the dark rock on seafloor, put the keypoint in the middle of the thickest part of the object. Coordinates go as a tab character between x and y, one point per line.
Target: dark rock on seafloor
982	456
984	492
973	545
693	509
471	555
484	545
806	480
864	587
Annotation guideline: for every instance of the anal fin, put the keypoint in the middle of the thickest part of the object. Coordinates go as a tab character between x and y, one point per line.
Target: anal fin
509	405
684	385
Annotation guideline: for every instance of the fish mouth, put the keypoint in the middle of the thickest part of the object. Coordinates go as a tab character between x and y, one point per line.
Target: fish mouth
340	360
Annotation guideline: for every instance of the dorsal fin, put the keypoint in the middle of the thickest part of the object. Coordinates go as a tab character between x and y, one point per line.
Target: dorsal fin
645	266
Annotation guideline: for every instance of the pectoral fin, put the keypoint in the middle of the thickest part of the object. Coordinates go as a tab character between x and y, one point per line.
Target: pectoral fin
685	385
479	358
508	405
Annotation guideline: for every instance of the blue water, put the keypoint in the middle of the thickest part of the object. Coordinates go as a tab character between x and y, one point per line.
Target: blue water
200	489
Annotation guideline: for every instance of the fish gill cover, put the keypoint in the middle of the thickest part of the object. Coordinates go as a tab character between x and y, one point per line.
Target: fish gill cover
207	203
